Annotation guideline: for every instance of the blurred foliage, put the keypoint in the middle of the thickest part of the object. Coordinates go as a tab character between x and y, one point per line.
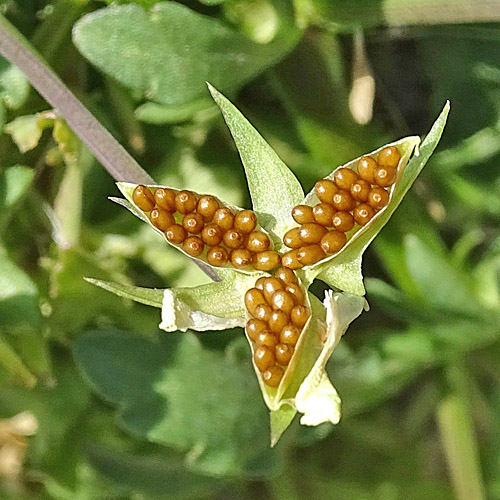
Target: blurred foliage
418	374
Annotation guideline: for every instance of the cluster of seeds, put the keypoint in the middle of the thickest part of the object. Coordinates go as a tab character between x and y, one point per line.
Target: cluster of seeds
278	310
204	228
347	202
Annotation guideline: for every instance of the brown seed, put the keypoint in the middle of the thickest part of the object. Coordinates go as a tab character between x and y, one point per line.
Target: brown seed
143	198
254	327
245	221
289	335
240	258
165	198
278	321
344	201
302	214
260	283
286	275
283	354
360	190
193	246
273	375
389	157
333	241
185	202
253	298
271	285
325	189
175	233
267	338
343	221
291	260
264	357
265	261
207	206
232	239
311	232
323	214
224	218
296	291
385	176
263	312
161	219
217	256
345	178
363	214
258	241
283	301
366	168
292	239
299	315
310	254
211	234
193	223
378	198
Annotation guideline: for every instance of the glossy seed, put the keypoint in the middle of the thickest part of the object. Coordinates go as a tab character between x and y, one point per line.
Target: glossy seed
260	283
264	358
143	198
323	214
343	221
283	301
366	168
253	298
271	285
311	232
193	223
289	335
286	275
211	234
299	316
344	201
385	176
360	190
363	214
302	214
258	241
291	260
333	241
378	198
217	256
325	189
296	291
240	258
265	261
278	321
254	327
193	246
165	198
245	221
233	239
185	202
273	375
263	312
345	178
389	157
207	206
310	254
224	218
292	239
161	219
267	338
283	354
175	233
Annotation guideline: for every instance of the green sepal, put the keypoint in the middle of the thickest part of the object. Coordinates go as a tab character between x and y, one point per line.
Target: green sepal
280	421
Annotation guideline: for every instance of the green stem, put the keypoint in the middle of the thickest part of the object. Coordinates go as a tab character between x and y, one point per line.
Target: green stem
14	365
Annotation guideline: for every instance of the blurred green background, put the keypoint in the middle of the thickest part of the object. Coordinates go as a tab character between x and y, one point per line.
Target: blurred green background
119	410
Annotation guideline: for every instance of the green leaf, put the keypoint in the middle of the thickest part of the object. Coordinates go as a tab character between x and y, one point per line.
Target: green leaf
273	187
14	182
14	365
14	86
169	52
151	112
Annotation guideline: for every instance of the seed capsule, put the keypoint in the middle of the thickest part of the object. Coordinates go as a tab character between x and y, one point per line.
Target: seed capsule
344	201
278	321
165	198
296	291
268	339
245	221
254	327
161	219
143	198
283	301
345	178
299	315
211	234
291	260
283	354
360	190
193	223
185	202
193	246
311	232
333	241
323	214
366	168
240	258
389	157
253	298
289	335
175	233
302	214
258	241
385	176
233	239
217	256
292	239
378	198
271	285
272	376
310	254
286	275
263	312
343	221
265	261
325	189
224	218
207	206
363	214
264	358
